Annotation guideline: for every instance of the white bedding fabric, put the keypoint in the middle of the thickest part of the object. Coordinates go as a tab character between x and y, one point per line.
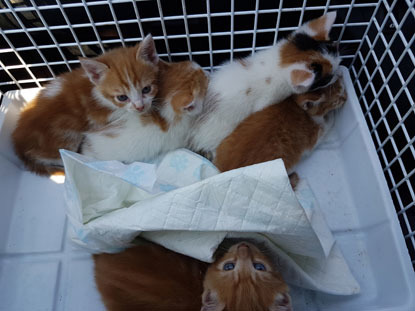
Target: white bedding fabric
182	202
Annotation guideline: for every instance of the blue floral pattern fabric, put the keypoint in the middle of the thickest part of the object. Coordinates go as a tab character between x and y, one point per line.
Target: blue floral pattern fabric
182	202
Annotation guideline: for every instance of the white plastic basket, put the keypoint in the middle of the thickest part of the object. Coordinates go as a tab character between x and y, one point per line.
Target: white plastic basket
40	39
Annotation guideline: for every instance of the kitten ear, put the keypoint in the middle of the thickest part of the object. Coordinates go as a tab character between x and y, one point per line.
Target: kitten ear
147	50
301	79
190	107
186	103
194	107
211	301
282	302
94	69
319	28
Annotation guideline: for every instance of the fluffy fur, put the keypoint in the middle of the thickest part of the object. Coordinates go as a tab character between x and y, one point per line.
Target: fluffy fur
303	61
82	100
150	277
285	130
141	137
244	287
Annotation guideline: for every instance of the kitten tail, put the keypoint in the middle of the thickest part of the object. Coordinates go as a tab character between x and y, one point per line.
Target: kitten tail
44	167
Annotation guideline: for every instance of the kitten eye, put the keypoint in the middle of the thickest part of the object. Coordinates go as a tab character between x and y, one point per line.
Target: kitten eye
333	48
259	266
228	266
146	89
122	98
316	67
308	105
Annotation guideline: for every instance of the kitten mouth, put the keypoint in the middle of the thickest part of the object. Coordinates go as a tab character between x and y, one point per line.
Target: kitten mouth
243	245
243	250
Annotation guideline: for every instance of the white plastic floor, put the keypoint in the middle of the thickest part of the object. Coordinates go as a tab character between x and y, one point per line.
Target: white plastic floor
40	269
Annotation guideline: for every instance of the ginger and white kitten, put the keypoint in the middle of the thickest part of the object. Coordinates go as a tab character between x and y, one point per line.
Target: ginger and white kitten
305	60
123	80
149	277
286	130
141	137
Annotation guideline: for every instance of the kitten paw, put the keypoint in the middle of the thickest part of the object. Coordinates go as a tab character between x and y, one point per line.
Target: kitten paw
294	180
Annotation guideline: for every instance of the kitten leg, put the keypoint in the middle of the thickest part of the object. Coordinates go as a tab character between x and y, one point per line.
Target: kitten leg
294	180
282	302
210	155
326	123
329	121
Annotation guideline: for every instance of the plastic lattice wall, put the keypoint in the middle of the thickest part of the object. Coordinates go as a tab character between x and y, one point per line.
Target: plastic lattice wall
41	38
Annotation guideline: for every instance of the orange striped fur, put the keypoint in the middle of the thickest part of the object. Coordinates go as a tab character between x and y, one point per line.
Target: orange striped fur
244	286
149	277
69	106
182	85
284	130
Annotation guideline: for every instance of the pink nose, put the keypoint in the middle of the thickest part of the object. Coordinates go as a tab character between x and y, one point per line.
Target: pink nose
141	108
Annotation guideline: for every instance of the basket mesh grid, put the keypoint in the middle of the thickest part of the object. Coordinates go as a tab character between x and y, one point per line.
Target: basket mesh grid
40	39
383	71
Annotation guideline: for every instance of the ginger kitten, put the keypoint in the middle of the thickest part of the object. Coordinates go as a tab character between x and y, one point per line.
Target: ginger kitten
284	130
244	279
304	61
120	81
149	277
141	137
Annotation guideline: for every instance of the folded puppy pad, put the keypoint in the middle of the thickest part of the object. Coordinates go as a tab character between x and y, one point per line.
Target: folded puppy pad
183	203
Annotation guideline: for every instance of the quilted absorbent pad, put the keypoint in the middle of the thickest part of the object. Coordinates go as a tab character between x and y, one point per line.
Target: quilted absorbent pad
183	203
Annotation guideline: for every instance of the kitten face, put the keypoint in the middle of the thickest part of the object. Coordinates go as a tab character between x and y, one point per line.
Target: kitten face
126	88
126	77
185	88
244	279
321	101
309	55
189	97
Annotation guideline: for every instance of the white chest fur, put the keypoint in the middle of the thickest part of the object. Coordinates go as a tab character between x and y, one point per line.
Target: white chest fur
130	139
237	90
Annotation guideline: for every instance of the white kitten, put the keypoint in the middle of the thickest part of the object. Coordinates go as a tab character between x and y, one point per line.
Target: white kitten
300	63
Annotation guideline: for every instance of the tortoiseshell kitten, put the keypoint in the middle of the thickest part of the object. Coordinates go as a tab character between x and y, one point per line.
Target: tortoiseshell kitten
305	60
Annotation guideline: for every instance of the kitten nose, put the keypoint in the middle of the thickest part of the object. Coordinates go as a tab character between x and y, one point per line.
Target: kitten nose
139	106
